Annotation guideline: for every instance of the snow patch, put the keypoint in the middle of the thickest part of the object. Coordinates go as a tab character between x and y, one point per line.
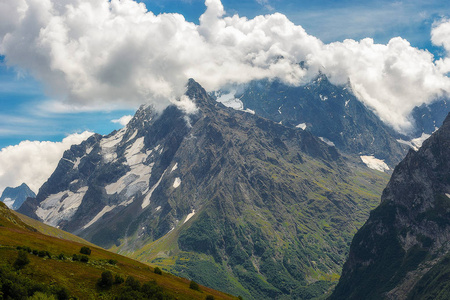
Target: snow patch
346	102
77	163
61	206
109	146
176	182
250	111
448	195
189	216
132	136
174	167
158	208
302	126
99	215
417	142
136	180
326	141
323	98
374	163
9	202
146	201
230	101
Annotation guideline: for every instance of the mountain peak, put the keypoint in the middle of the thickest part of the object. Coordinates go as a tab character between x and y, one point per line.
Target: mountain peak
14	197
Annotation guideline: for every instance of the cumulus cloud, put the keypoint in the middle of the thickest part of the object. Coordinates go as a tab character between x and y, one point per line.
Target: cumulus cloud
123	120
97	52
33	162
440	36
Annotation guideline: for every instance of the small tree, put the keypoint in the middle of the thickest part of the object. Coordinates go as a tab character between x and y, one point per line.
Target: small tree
118	279
157	271
133	283
22	260
194	285
106	281
209	297
85	250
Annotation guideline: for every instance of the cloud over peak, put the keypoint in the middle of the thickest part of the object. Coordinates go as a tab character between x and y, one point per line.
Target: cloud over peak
115	52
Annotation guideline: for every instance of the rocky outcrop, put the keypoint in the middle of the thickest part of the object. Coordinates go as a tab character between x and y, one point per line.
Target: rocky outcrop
409	232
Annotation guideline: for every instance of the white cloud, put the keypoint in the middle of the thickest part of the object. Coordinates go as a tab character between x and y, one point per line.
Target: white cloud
33	162
123	120
90	53
440	36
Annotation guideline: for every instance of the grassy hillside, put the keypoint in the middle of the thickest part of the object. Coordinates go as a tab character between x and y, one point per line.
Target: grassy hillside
54	271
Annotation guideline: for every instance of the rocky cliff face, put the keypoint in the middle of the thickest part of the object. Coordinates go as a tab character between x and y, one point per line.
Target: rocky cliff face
328	111
15	197
227	198
408	233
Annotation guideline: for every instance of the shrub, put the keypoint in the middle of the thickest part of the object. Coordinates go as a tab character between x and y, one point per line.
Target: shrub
41	253
118	279
106	281
41	296
84	258
210	297
61	293
152	291
112	261
61	256
75	257
194	285
85	250
157	271
133	283
35	252
22	260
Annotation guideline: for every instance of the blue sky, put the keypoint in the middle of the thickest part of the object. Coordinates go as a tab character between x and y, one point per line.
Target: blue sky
21	96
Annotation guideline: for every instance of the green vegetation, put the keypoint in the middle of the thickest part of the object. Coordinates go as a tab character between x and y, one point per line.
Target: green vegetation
194	285
31	269
85	250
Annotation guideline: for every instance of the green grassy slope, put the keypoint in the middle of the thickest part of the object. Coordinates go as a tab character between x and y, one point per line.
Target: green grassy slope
79	279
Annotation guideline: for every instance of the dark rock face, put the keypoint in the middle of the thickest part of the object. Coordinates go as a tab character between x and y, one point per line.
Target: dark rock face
409	232
327	111
15	197
229	199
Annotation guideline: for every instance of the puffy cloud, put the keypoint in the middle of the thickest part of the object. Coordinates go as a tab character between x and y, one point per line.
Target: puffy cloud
123	120
89	53
392	79
440	36
33	162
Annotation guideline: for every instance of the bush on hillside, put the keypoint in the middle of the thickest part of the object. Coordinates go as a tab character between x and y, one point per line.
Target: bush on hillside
22	260
85	250
194	285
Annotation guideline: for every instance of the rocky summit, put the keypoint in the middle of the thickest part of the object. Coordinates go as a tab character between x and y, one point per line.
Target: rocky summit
330	112
225	197
402	252
15	197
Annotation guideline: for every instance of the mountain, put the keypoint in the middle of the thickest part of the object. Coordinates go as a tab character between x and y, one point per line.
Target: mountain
402	252
428	117
327	111
227	198
37	266
14	197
